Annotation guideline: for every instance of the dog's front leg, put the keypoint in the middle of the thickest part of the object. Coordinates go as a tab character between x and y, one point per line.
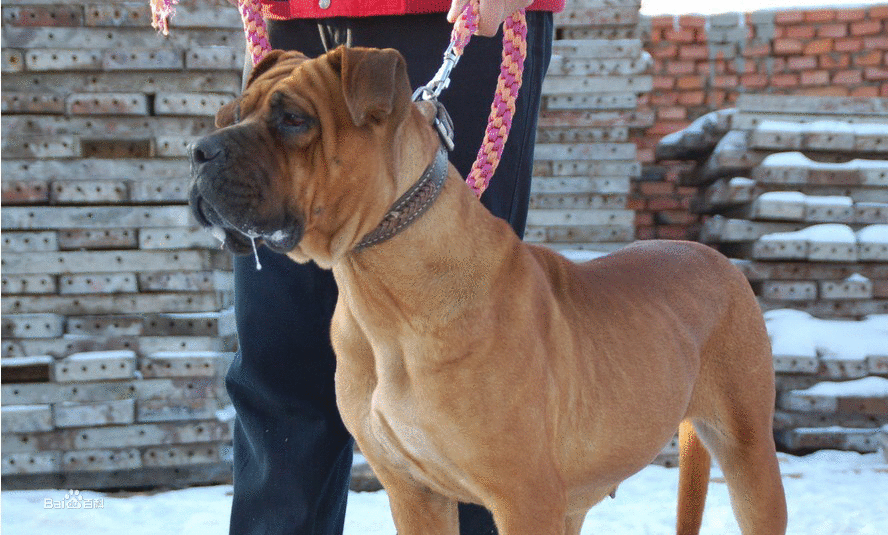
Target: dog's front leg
418	510
529	518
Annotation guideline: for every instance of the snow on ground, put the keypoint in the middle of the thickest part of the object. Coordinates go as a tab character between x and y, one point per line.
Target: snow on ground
829	493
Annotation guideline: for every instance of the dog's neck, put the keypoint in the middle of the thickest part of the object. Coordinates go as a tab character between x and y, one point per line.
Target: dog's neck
420	271
419	198
412	204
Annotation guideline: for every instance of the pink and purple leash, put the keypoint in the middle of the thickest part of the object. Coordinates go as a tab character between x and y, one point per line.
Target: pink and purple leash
503	108
509	82
251	15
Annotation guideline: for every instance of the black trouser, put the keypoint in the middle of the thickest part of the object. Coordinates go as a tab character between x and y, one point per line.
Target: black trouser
292	454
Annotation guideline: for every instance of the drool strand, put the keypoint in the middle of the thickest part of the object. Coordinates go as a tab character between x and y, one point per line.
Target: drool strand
255	253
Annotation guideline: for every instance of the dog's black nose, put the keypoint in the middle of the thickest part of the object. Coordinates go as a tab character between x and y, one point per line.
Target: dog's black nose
206	149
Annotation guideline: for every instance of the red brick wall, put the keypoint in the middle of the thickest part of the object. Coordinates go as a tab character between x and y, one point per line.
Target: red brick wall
701	64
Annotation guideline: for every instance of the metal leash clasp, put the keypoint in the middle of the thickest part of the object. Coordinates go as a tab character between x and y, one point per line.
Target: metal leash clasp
444	124
439	82
432	90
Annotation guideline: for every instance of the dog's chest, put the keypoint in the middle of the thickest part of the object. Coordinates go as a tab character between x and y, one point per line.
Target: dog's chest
409	445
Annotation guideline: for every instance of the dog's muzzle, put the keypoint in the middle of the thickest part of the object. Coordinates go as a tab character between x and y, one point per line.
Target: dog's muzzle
226	193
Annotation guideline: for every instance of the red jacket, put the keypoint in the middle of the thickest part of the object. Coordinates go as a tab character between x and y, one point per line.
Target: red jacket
311	9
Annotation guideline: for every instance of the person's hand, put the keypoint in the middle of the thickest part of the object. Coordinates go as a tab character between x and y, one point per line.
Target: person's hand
491	13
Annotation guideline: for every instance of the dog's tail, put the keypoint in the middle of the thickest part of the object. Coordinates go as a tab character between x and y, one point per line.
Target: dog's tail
693	479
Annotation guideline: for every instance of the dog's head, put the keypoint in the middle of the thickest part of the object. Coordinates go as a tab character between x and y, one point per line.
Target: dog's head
312	154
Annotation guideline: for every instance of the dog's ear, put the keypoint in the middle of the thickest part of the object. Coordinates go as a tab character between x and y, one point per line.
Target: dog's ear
374	83
269	61
227	114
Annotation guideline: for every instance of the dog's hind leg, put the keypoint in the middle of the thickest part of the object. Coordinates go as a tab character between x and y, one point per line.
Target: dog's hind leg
749	464
732	410
693	480
736	426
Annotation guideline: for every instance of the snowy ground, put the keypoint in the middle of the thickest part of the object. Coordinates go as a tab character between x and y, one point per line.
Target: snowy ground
829	493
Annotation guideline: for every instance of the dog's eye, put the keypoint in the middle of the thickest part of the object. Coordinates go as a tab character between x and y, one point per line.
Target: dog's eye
293	120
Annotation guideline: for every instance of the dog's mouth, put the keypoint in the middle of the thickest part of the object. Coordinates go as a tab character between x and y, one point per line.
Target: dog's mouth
242	238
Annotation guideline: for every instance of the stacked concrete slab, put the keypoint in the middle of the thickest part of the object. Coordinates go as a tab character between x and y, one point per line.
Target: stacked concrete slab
116	321
796	190
584	157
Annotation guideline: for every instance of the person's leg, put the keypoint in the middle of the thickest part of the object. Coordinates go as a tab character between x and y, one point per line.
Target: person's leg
422	39
292	454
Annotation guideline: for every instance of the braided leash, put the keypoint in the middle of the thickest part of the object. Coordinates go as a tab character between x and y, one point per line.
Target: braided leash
509	82
254	29
251	15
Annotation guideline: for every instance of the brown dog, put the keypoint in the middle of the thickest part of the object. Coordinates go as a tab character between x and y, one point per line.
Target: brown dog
472	366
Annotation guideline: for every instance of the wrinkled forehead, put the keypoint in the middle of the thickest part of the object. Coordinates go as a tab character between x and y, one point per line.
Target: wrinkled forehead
282	75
